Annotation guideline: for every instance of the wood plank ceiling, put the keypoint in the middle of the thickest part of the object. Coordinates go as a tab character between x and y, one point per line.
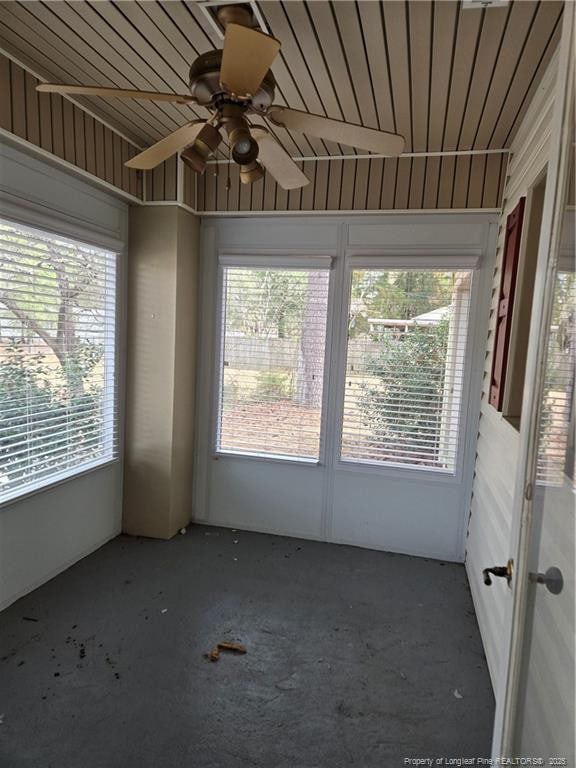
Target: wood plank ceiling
445	77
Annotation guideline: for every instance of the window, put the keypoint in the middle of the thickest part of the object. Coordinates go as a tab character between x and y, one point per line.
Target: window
405	367
557	417
57	358
272	360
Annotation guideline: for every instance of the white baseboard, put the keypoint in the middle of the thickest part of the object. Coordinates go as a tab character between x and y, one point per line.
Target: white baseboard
56	571
307	537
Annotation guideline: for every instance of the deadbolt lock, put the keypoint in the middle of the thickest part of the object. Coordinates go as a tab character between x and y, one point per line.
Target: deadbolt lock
502	571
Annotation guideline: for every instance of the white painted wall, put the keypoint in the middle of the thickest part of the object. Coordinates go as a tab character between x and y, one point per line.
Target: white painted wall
417	512
45	532
497	449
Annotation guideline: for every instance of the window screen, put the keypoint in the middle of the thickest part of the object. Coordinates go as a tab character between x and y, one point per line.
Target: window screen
405	363
557	422
57	350
273	344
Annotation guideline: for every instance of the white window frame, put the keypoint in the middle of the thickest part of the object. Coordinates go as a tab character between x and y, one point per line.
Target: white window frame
72	230
332	418
435	260
268	260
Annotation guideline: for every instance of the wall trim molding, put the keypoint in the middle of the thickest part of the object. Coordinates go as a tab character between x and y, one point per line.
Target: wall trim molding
375	212
53	159
375	156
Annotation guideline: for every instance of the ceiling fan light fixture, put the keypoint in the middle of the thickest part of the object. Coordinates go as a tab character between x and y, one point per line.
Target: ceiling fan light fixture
194	160
251	172
244	148
206	143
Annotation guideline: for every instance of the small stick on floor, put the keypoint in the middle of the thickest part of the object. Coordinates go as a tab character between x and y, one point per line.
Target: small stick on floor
226	645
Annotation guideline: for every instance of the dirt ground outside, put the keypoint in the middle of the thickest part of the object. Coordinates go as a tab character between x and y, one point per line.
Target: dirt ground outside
281	427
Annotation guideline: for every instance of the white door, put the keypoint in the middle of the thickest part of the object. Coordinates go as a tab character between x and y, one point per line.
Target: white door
536	716
545	715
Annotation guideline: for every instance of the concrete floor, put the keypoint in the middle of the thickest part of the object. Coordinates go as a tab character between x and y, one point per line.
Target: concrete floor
355	658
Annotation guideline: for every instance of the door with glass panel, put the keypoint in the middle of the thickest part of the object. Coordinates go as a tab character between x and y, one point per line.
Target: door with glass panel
269	410
545	711
399	479
536	706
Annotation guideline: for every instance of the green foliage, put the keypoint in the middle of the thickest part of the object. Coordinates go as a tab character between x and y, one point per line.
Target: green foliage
50	406
79	363
266	303
396	295
42	423
272	385
411	371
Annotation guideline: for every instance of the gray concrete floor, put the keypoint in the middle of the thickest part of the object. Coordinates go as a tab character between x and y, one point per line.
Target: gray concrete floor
355	658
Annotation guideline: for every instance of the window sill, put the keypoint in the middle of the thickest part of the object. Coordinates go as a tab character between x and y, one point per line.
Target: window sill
16	496
401	471
514	421
269	457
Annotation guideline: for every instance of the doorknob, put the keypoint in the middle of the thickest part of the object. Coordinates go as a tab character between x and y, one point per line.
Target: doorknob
502	571
552	580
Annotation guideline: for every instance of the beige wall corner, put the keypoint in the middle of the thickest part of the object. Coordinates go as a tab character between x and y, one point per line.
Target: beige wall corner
162	308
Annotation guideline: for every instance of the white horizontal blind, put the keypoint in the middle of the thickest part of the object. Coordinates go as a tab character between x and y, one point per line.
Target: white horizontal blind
556	429
405	367
58	405
272	361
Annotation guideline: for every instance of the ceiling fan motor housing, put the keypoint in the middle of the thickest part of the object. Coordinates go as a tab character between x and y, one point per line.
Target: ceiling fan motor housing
206	89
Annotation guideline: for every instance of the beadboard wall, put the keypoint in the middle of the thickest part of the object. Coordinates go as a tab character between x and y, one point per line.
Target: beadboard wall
57	126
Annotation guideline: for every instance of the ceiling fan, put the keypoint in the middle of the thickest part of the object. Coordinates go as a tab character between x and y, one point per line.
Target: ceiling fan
234	83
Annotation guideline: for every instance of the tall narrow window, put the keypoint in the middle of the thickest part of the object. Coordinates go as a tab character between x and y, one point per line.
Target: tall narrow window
272	360
405	367
57	358
557	417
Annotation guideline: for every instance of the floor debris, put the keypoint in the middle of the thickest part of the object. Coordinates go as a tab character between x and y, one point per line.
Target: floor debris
28	618
457	694
225	645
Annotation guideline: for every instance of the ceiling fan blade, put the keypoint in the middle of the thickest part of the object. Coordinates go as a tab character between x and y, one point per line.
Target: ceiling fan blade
277	161
246	58
166	147
121	93
335	130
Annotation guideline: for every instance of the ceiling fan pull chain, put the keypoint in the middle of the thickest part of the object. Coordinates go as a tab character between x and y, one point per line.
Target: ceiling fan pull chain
228	182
